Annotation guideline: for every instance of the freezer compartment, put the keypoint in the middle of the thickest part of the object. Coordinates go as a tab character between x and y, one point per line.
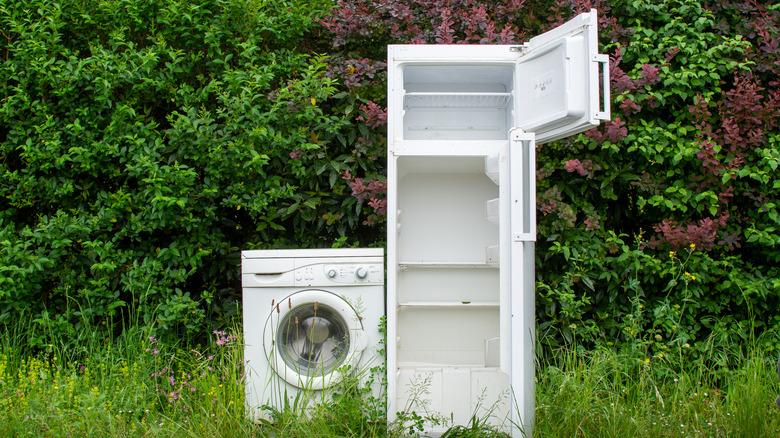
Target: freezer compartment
457	102
455	394
445	335
442	217
448	285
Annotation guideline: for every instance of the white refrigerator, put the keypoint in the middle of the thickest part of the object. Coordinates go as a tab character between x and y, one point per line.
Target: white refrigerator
463	124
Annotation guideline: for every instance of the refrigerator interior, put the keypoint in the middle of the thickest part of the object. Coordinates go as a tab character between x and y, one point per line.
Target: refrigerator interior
447	291
457	102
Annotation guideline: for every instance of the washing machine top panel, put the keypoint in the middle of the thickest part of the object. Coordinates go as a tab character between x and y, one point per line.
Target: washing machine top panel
312	273
312	253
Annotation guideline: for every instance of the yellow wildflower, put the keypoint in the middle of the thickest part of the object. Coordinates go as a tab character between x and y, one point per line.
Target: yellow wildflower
692	246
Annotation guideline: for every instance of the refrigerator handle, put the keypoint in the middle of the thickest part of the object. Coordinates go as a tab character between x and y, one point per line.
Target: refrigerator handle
603	61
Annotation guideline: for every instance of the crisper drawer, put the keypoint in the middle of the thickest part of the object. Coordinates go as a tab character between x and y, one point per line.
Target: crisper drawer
455	393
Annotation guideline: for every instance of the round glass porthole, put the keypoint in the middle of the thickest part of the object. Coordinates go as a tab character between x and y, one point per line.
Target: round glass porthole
313	339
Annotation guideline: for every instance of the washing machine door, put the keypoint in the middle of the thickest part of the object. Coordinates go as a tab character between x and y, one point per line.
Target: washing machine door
310	335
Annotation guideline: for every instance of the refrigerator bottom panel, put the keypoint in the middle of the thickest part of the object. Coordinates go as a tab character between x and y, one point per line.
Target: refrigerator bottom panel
454	395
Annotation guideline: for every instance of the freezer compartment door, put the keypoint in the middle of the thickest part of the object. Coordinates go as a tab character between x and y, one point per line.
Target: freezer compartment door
557	81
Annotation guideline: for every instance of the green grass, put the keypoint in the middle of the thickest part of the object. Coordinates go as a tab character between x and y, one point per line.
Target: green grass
123	387
607	395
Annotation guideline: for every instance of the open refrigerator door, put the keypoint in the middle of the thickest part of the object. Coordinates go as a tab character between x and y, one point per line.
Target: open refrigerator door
562	82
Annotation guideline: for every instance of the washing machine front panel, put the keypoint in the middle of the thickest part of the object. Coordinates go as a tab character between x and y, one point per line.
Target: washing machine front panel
348	287
309	335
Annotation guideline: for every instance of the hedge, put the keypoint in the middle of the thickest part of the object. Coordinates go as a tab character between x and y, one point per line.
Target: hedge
144	143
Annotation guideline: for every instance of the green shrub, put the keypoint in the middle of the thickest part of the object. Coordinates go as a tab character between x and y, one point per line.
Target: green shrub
144	143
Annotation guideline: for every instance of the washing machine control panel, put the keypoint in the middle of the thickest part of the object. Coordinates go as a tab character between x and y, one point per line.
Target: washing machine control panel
354	273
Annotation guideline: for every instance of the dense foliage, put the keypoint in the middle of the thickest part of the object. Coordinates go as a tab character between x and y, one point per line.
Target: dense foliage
659	230
143	143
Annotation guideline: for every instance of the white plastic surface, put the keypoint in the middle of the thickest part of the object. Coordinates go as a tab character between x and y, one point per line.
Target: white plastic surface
462	122
445	303
443	218
457	101
491	165
522	183
461	284
360	303
445	336
557	81
455	393
491	210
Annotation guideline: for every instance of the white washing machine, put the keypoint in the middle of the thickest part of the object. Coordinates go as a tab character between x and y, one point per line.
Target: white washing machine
308	316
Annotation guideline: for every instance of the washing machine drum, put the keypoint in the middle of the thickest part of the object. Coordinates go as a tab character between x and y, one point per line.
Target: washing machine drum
311	335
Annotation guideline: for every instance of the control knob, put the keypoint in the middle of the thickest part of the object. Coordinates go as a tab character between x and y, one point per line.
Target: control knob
332	273
361	272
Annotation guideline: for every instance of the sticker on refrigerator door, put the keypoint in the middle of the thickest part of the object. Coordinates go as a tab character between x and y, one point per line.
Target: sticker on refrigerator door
543	84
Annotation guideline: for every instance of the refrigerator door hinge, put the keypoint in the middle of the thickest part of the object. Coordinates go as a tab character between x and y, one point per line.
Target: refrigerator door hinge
517	134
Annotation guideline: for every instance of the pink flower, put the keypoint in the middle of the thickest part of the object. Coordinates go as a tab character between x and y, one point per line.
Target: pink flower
616	130
296	154
583	168
574	166
223	338
379	205
702	234
591	223
595	134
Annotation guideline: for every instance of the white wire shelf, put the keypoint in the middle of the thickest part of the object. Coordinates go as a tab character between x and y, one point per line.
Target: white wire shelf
447	304
446	265
456	100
